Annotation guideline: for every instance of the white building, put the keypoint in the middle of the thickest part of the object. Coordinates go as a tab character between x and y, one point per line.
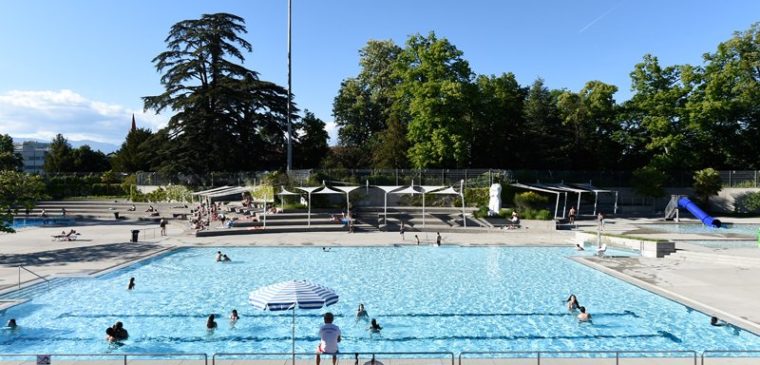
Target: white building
33	154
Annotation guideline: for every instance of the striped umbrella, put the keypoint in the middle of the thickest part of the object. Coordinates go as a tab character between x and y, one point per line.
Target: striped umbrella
289	295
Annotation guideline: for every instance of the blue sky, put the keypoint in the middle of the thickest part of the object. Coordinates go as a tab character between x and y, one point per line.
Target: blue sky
79	67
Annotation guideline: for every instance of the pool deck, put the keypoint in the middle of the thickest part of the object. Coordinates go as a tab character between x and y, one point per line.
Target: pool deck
730	292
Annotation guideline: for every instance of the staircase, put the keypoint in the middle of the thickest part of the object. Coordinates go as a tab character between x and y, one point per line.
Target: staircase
32	291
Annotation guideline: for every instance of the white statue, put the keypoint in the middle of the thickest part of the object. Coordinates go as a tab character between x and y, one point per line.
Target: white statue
494	200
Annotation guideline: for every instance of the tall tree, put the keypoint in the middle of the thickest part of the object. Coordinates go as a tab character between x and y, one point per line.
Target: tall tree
543	134
725	105
435	86
60	157
132	157
590	117
86	160
390	151
9	159
312	142
498	120
364	103
224	113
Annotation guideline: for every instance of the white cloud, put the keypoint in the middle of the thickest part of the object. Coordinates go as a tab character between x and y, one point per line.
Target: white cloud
332	131
43	114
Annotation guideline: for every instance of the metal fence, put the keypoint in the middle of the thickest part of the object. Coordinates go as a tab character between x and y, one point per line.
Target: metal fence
471	177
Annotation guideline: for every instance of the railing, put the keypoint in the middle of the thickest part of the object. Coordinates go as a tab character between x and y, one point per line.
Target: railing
31	272
201	356
707	353
353	355
564	354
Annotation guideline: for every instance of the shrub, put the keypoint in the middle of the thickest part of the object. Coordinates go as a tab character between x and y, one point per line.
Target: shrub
476	197
707	182
747	203
178	193
530	200
648	181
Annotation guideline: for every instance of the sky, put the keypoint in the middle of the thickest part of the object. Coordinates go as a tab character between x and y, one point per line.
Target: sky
80	67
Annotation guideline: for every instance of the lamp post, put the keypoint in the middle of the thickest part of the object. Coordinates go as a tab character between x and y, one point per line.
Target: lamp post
290	132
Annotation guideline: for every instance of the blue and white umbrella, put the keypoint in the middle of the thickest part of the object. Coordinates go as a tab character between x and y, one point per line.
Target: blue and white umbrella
289	295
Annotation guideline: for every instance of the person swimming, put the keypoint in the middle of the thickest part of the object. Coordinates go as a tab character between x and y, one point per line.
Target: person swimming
361	312
11	324
584	316
714	321
131	284
225	258
234	316
374	327
219	256
119	332
572	303
210	323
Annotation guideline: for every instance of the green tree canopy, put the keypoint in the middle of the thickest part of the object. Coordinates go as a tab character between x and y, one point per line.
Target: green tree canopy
18	190
60	158
9	159
312	142
133	155
224	113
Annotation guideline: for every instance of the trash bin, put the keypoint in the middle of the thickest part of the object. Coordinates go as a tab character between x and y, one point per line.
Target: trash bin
116	215
135	233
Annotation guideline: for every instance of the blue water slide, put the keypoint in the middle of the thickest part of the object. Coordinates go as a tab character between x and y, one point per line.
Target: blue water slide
684	202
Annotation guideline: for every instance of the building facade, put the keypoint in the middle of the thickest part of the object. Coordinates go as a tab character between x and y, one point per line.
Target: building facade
33	154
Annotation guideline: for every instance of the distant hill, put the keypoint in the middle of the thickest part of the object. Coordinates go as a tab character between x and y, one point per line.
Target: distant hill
98	146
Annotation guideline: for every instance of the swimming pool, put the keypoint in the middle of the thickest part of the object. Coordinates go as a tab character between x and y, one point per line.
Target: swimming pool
426	298
39	221
698	228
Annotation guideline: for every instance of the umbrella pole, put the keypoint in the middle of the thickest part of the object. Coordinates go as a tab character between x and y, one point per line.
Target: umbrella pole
294	335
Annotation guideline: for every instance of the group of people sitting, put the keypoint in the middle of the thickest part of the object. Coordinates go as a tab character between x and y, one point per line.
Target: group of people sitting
573	305
116	333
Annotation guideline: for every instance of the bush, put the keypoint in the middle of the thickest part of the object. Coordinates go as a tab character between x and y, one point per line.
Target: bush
707	182
178	193
529	200
747	203
476	197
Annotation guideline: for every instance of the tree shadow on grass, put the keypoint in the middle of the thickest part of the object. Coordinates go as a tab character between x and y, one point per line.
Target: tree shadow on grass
124	251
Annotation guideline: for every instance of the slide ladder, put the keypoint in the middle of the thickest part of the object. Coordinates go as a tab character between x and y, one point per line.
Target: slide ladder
684	202
671	210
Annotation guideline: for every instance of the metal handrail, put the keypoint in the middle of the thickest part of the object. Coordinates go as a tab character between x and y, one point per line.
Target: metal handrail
31	272
340	354
125	356
539	353
706	352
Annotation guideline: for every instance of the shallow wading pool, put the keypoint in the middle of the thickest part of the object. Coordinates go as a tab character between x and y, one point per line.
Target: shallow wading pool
426	298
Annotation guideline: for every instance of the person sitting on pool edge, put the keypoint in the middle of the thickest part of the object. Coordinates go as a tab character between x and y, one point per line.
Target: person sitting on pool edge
210	323
583	316
329	335
374	327
572	303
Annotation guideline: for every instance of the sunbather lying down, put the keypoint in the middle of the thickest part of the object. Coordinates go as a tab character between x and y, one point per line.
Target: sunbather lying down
71	236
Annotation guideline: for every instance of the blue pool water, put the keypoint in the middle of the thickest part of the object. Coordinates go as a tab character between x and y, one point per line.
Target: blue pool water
38	221
698	228
426	298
